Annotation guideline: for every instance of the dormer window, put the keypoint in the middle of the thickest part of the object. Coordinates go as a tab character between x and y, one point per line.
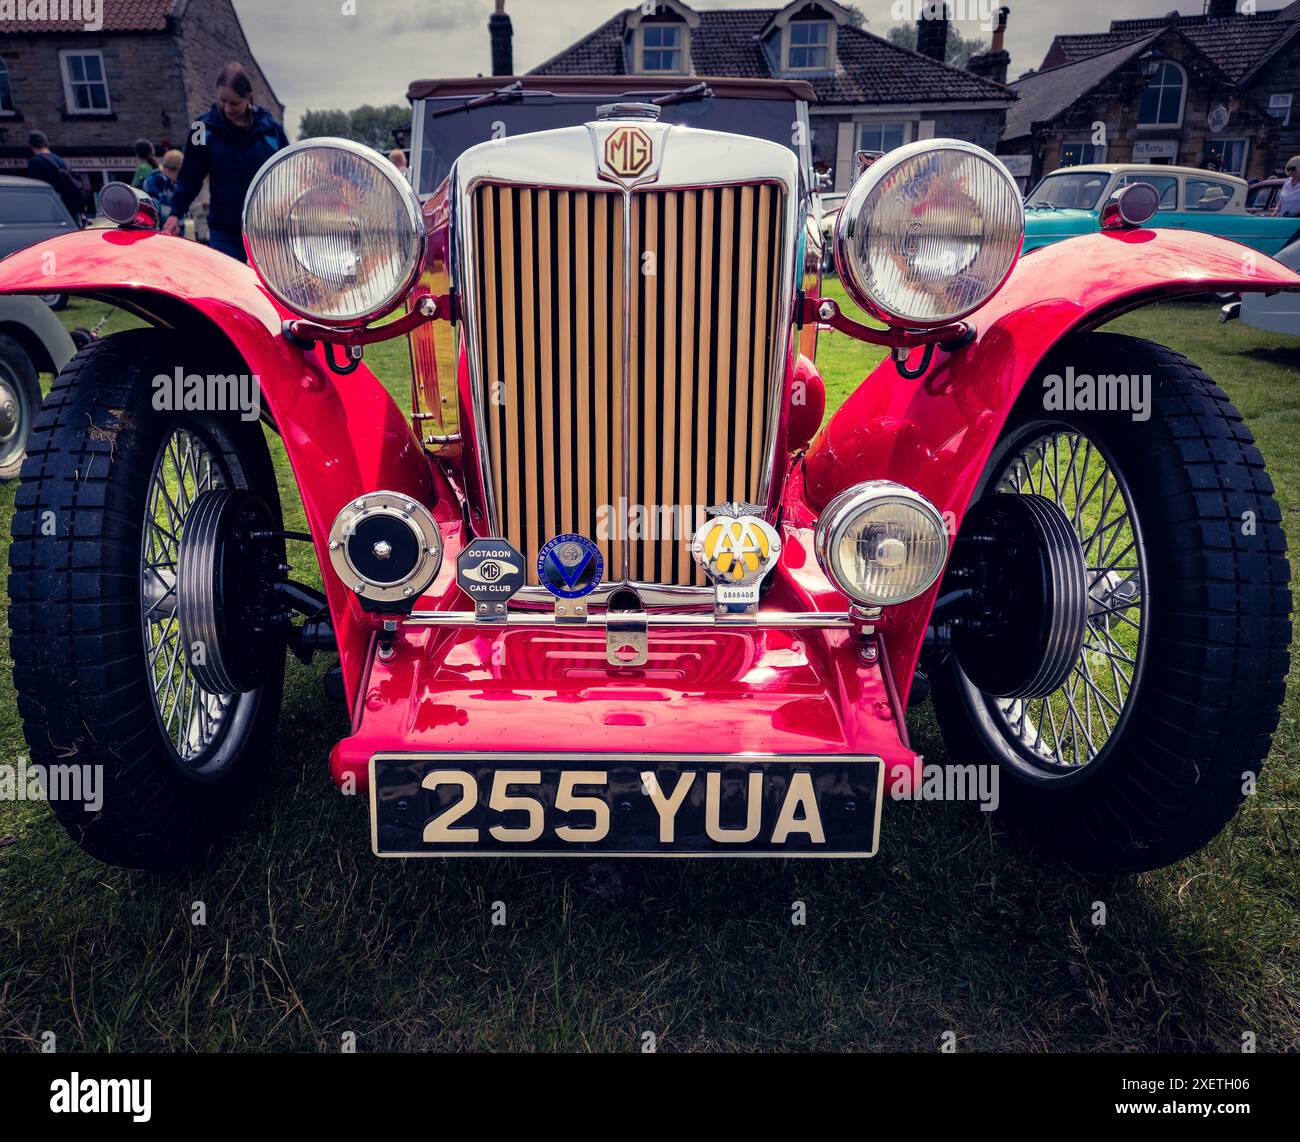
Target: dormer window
659	38
662	48
808	45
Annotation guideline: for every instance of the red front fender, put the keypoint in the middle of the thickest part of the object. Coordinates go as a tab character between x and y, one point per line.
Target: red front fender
344	435
935	434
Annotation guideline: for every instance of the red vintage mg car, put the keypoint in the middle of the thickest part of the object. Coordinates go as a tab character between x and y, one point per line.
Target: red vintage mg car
611	587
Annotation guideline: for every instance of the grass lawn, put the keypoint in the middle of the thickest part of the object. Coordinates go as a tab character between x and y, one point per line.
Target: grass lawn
954	927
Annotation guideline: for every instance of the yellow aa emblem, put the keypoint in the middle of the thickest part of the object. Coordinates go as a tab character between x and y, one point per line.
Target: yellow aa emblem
737	549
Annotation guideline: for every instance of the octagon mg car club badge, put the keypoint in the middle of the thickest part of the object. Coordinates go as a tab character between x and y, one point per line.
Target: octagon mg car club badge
490	571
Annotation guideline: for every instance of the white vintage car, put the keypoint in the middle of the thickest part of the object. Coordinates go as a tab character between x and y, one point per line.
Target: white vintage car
1275	313
32	341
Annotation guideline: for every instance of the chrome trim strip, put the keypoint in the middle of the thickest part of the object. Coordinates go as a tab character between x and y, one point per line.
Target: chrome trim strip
626	379
417	142
464	271
652	594
764	620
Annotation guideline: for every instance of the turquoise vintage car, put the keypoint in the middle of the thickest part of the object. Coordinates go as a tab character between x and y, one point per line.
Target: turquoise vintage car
1068	202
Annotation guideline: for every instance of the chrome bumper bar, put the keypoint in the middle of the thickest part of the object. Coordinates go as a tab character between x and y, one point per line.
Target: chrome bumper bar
769	620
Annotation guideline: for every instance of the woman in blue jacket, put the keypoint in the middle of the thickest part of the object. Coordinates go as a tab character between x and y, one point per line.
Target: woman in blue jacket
227	146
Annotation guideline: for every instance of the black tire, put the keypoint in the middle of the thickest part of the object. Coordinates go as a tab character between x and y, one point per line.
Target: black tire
76	614
20	397
56	301
1211	676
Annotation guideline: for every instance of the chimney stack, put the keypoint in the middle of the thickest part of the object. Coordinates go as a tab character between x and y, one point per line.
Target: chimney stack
994	63
1000	29
932	30
1223	9
501	33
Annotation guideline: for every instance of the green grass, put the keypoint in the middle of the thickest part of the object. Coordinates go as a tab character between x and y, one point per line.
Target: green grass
954	927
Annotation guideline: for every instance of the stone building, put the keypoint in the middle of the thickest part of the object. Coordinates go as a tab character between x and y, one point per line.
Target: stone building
146	74
1232	69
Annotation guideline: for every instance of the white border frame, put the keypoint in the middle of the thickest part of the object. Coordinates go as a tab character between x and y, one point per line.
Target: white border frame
1182	102
68	102
786	45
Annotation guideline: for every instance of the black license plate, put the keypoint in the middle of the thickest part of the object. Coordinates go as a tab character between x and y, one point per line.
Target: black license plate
624	805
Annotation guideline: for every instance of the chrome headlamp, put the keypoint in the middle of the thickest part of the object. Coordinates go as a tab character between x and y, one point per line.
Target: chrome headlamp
881	543
334	230
929	233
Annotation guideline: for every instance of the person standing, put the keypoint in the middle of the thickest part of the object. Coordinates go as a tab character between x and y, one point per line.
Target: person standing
227	147
46	166
1288	197
397	157
147	163
161	185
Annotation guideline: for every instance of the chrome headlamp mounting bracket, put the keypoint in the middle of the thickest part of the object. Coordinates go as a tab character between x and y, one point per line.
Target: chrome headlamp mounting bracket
824	311
305	334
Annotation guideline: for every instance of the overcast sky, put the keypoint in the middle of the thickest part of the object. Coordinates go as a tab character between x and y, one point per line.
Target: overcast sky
316	56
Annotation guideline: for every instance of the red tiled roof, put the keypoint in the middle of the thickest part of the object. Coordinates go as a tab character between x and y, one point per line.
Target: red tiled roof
118	15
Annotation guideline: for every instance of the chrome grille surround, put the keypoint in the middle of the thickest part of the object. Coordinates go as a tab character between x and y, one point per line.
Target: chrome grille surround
568	161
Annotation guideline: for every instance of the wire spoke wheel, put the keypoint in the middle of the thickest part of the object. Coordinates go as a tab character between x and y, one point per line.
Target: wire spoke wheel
192	718
1070	727
1135	745
102	662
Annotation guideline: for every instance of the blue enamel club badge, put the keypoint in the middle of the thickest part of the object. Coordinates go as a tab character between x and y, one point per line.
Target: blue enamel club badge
570	566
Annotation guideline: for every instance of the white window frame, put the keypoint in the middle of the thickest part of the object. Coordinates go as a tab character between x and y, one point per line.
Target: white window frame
69	83
1285	107
1099	153
683	49
1245	151
787	41
1182	99
908	126
8	79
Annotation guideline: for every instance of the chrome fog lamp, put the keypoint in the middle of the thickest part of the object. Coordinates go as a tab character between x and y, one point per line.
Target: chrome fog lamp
387	548
881	543
128	207
1130	206
334	230
929	233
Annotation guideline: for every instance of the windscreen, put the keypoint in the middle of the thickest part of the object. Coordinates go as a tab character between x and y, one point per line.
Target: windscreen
1077	191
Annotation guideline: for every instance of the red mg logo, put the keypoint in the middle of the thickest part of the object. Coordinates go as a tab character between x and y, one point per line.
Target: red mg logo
629	152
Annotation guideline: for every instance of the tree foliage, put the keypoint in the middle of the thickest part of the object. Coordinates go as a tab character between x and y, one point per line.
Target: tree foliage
366	124
959	49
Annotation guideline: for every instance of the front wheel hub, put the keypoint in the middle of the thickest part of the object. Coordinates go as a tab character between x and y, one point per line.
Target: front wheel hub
1023	629
11	417
225	580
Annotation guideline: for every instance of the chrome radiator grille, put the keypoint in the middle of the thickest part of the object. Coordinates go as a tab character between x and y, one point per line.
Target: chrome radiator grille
574	444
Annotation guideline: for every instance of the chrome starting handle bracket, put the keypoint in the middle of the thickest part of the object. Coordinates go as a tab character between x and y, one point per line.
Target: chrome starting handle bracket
626	642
